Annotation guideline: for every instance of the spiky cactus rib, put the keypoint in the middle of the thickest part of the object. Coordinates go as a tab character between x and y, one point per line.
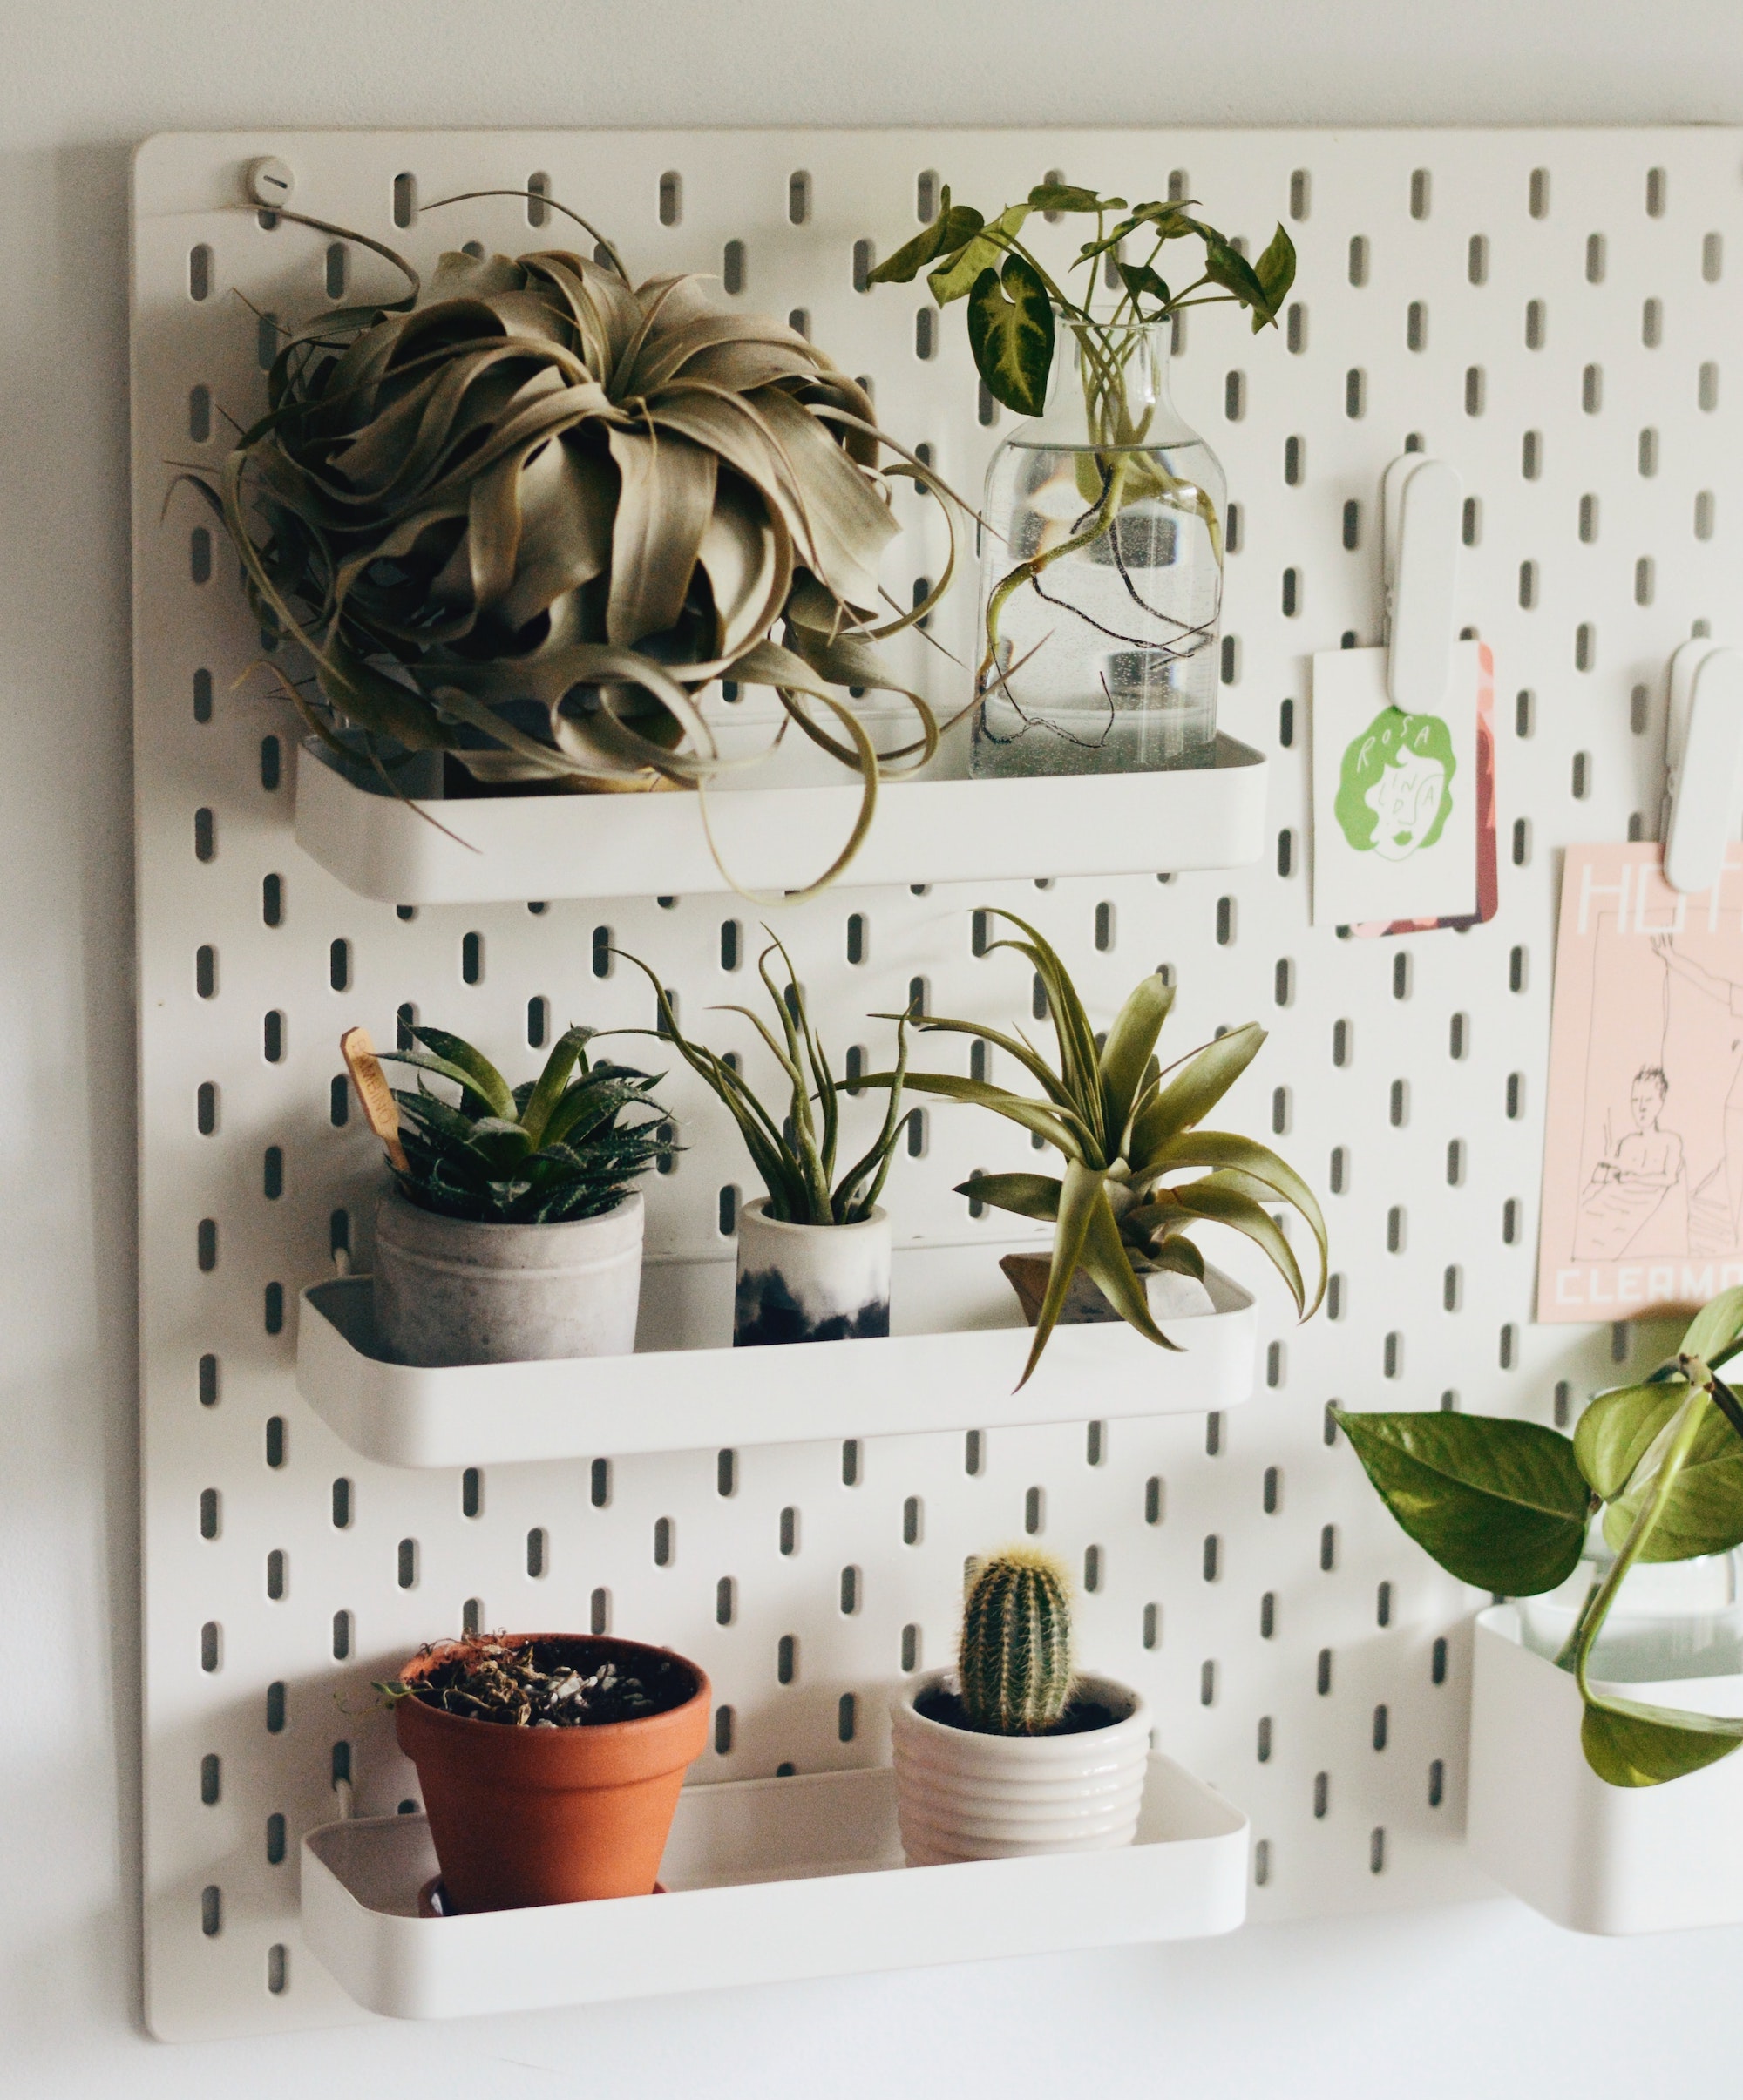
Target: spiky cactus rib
1015	1660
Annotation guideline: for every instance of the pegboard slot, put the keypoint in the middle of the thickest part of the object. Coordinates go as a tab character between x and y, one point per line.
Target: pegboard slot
690	1396
767	1880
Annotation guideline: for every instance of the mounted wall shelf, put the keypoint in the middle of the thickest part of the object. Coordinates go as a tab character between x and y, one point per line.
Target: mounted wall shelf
768	1879
1595	1858
509	849
697	1395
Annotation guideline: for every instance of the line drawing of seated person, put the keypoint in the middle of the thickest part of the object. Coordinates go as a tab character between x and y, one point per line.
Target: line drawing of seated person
1630	1184
1395	785
1730	996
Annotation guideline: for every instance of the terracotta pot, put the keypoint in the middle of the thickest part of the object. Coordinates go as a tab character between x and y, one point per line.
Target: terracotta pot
522	1816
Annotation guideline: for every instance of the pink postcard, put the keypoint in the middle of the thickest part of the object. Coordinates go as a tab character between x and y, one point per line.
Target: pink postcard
1642	1148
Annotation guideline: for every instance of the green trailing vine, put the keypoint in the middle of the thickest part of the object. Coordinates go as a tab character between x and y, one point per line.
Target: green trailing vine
1507	1506
1016	310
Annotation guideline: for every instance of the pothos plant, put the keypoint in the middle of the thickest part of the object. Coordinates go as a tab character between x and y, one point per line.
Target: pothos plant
1508	1506
1017	308
527	513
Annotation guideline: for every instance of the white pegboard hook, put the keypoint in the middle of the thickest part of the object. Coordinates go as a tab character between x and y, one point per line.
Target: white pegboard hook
1703	762
1420	501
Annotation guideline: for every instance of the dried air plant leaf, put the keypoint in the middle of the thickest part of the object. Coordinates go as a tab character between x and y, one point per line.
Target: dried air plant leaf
529	512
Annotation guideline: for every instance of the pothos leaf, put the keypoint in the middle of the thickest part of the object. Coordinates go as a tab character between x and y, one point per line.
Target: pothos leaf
1703	1512
1500	1504
1630	1744
1716	1326
1010	331
1617	1431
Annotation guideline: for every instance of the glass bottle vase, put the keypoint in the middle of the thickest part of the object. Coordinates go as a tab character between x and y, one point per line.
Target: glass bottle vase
1101	572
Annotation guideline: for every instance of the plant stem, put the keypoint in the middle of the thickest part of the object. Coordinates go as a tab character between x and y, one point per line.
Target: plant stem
1684	1429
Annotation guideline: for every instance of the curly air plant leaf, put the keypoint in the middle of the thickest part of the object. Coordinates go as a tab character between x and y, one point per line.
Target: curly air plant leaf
527	513
1126	1129
1015	309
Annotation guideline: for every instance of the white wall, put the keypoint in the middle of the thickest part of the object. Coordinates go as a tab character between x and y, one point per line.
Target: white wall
1484	1997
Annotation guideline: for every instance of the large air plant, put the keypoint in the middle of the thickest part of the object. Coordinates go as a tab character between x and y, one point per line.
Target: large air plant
1127	1129
527	513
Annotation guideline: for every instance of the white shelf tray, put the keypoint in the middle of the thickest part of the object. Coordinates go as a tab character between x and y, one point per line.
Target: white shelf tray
508	849
691	1398
767	1880
1595	1858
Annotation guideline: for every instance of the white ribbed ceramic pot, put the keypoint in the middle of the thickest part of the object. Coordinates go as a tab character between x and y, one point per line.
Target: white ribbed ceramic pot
963	1796
449	1291
810	1282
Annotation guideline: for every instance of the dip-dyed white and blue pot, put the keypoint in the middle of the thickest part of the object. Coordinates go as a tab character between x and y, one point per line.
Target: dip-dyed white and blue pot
810	1282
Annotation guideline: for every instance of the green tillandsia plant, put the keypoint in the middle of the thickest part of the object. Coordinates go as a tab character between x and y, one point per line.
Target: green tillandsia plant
1127	1129
1508	1505
1016	309
527	513
550	1150
795	1157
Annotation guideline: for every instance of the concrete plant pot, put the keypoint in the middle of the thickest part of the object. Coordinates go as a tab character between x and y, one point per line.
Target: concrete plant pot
961	1795
810	1282
449	1290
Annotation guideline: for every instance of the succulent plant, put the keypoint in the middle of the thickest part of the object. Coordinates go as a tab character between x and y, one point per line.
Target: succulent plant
795	1157
1014	1664
1126	1129
546	1152
528	512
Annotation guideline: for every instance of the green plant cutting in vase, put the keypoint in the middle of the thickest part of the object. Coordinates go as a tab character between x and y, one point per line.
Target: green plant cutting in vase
526	513
1508	1506
795	1156
1017	309
1127	1129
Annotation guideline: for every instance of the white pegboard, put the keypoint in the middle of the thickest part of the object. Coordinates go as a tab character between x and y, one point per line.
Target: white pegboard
1513	283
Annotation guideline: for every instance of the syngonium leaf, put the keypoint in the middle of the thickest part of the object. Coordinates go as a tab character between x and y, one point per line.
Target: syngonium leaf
1142	282
1010	331
955	225
1069	197
1500	1504
1224	265
1275	270
955	279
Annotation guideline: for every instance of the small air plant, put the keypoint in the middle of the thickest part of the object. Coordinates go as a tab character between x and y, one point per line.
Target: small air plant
547	1152
1127	1129
796	1156
1014	1667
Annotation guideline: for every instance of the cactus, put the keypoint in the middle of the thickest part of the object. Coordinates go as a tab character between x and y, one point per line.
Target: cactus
1015	1658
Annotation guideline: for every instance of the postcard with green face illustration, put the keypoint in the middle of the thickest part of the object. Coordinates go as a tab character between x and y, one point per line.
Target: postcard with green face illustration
1395	794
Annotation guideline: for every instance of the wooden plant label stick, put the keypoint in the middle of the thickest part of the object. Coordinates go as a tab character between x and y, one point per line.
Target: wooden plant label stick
374	1093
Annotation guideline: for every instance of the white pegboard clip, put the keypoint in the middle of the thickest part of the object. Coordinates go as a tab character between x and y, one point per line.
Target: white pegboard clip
1420	501
1703	761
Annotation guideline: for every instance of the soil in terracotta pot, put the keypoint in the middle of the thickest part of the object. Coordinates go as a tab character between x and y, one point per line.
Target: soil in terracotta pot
553	1683
939	1703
